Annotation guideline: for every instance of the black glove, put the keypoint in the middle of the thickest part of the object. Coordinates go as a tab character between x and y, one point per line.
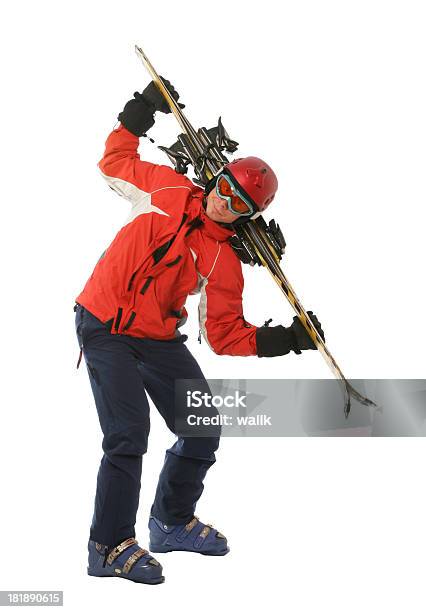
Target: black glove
138	114
304	341
279	340
156	99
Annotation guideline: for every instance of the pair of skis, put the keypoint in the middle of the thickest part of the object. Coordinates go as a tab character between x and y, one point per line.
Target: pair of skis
255	241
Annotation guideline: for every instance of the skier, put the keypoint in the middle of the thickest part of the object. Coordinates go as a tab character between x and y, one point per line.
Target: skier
175	242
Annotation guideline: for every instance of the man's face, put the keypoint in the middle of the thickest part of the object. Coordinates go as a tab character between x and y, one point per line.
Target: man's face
217	209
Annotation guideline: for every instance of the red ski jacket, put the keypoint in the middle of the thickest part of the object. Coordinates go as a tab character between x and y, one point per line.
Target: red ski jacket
167	249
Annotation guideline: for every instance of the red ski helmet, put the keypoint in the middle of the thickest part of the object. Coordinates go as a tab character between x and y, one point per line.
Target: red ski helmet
255	178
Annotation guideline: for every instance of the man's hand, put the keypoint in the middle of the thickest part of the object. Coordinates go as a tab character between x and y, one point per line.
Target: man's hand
279	340
303	339
138	114
156	99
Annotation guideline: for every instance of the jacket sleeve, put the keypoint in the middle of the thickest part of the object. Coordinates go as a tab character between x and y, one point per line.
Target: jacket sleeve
221	316
131	177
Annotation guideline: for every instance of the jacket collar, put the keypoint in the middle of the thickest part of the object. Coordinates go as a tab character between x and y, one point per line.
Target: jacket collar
210	227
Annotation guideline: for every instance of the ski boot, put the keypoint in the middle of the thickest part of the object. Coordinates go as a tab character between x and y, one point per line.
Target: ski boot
127	560
195	536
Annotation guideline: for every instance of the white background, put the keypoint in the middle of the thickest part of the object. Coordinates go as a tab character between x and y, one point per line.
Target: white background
332	94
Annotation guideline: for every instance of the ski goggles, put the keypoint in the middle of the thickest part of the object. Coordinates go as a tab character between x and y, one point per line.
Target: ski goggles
237	203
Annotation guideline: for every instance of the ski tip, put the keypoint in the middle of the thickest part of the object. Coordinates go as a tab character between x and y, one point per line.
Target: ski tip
352	392
369	402
347	408
139	52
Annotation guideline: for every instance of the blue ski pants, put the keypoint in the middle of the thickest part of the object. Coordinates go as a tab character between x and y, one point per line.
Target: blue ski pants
122	371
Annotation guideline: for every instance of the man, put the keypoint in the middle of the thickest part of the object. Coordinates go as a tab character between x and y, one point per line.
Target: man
128	318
